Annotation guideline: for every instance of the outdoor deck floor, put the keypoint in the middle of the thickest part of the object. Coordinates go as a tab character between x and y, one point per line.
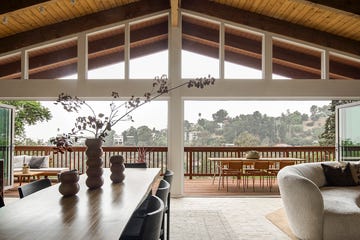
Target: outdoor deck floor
203	187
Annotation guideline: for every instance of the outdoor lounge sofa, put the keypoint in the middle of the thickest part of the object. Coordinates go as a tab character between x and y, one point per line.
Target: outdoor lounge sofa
38	164
315	209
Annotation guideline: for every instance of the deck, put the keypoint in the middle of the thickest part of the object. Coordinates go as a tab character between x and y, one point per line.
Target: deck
199	187
203	187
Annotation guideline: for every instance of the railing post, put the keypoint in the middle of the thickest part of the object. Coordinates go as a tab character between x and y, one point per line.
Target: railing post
191	165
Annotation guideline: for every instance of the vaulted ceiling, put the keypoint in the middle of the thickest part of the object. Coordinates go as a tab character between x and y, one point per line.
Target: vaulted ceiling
330	23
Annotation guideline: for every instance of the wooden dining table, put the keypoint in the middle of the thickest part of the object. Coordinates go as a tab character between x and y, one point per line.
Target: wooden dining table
90	214
219	161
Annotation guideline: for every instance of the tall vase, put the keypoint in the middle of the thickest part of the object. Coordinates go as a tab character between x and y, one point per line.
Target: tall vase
94	163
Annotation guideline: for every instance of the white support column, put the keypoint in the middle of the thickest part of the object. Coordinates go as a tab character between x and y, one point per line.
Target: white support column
222	51
127	52
24	65
82	66
175	113
325	62
267	57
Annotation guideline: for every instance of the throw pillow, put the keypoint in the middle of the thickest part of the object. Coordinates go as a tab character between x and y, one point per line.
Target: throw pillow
355	170
337	176
36	162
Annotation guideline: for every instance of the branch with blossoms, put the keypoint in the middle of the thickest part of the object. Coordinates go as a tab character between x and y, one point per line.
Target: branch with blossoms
99	125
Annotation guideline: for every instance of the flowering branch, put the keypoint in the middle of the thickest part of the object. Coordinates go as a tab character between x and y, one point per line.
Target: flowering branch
99	125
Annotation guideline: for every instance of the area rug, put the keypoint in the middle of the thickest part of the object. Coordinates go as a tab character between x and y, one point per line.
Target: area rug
200	225
278	218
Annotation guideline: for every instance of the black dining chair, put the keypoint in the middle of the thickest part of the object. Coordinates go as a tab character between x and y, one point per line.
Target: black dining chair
163	193
168	176
135	165
147	227
2	204
32	187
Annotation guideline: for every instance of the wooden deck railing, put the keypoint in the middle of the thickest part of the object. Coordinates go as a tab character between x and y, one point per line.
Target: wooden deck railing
195	158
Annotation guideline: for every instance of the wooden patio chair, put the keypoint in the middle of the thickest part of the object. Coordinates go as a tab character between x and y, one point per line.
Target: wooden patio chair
260	170
233	169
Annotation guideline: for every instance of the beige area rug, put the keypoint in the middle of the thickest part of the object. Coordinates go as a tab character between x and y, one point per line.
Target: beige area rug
278	218
200	225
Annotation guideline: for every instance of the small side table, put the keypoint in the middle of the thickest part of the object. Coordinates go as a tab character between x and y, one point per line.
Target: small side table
21	176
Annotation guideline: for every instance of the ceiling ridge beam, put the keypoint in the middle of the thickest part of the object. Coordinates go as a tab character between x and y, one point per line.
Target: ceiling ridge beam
273	25
84	23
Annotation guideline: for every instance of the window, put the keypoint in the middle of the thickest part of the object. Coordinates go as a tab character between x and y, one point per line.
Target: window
149	48
10	67
295	61
243	53
106	54
200	47
61	56
341	67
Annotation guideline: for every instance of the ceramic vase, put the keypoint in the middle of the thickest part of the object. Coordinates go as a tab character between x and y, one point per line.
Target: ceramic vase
69	185
94	163
117	169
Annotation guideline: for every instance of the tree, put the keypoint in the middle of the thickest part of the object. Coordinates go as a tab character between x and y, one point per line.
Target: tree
27	113
220	116
246	139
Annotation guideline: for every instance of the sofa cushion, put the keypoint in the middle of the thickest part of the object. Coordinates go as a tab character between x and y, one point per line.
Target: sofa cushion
36	162
18	161
338	176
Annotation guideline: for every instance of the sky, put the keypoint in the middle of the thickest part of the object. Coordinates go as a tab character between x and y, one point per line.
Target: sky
154	114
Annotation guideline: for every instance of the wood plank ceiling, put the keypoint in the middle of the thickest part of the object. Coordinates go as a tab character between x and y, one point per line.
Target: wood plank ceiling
334	24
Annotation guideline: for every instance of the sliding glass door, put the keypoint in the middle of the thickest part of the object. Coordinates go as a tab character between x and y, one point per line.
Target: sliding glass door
348	132
7	116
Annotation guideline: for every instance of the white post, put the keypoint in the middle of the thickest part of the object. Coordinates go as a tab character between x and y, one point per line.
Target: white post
175	113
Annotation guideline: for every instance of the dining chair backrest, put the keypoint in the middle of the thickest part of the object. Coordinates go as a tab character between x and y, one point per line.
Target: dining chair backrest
32	187
163	191
261	165
168	176
153	219
135	165
285	163
235	166
2	204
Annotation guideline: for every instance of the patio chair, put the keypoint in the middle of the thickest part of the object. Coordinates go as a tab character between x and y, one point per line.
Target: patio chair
32	187
135	165
149	226
261	170
282	164
233	169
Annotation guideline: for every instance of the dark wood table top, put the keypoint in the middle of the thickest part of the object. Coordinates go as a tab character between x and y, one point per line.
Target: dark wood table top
90	214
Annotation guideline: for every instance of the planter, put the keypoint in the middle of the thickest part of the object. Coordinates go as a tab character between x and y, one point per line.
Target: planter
117	169
94	163
69	185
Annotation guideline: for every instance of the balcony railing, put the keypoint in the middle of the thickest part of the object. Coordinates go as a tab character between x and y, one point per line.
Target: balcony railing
196	161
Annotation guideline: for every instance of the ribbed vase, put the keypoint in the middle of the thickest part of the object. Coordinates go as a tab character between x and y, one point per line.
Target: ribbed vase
94	163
